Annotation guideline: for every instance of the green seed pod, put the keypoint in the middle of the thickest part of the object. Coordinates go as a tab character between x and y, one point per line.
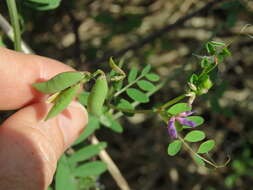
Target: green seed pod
97	96
59	82
63	100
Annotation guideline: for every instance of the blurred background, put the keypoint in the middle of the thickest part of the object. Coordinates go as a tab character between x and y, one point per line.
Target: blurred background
167	35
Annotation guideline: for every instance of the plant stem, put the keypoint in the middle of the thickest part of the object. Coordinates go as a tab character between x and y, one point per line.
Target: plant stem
13	12
171	102
130	110
6	27
197	155
135	103
127	86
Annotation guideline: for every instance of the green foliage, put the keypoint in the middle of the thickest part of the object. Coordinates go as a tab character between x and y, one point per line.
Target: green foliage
97	96
146	70
174	147
93	125
108	121
198	120
42	5
64	178
125	105
205	147
87	152
83	98
195	136
94	168
153	77
137	95
62	101
59	82
198	160
178	108
132	75
145	85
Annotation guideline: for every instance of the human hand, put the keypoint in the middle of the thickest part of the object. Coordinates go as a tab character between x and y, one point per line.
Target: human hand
29	146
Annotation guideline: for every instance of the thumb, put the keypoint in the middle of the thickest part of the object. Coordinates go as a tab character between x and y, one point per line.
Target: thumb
30	147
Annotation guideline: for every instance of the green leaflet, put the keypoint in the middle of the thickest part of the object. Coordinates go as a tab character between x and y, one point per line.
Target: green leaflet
174	147
206	146
62	101
94	168
178	108
64	178
59	82
97	96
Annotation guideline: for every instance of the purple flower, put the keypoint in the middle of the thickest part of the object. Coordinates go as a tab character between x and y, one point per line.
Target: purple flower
182	120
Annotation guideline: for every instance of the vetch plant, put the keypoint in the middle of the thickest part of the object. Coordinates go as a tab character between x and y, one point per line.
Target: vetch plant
104	100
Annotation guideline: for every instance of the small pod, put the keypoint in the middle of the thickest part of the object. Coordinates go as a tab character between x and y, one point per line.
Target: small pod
97	96
59	82
62	101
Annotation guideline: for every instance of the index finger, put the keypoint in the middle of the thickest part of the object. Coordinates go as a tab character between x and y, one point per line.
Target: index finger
18	72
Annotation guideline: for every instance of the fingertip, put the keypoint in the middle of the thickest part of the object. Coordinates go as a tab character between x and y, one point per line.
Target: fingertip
72	122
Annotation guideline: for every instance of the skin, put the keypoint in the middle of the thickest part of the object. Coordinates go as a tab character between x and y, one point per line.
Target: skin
29	146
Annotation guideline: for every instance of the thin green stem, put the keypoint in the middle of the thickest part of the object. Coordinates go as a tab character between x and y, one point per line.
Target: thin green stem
130	110
135	103
171	102
127	86
201	157
13	12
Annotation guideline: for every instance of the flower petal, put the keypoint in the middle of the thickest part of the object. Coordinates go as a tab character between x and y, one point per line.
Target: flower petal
185	113
171	128
184	121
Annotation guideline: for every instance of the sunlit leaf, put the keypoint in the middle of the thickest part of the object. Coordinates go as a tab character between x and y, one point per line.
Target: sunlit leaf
87	152
145	85
174	147
94	168
206	146
152	77
63	100
132	75
137	95
178	108
195	136
59	82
